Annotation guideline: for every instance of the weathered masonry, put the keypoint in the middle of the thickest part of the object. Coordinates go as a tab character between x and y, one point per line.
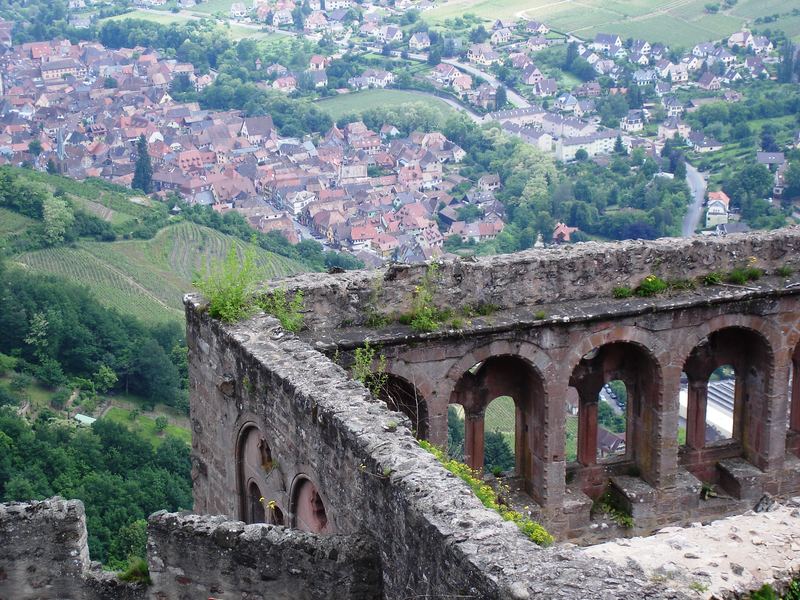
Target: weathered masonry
325	491
274	419
557	333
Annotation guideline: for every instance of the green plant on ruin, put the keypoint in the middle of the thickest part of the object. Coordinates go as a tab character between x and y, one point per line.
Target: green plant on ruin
539	315
375	318
489	497
746	273
607	504
479	309
712	278
229	285
137	571
767	592
622	291
743	275
784	271
698	587
370	369
682	284
651	286
289	311
707	491
424	315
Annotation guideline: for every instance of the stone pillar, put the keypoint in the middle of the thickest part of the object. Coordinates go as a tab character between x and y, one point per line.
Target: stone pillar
587	430
696	414
473	439
794	414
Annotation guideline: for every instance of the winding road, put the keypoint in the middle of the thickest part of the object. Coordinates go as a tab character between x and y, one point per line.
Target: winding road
512	96
697	185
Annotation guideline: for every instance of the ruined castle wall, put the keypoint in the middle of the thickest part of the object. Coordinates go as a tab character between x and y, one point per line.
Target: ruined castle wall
526	279
43	550
194	556
433	535
44	556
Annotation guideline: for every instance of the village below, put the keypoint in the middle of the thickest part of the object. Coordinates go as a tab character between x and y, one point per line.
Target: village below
380	158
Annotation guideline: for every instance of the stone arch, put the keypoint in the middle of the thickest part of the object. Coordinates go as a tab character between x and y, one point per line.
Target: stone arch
403	396
307	509
761	326
642	338
626	358
505	374
531	353
750	352
258	482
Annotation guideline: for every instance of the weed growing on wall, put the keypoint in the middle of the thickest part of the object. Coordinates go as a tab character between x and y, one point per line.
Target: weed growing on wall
606	504
369	370
488	496
229	285
288	311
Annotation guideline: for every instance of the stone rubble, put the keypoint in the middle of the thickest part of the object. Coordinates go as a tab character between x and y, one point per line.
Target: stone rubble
723	559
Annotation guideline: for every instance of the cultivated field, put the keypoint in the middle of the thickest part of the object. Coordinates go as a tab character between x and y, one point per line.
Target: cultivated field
358	102
236	31
147	278
13	224
146	426
161	17
676	22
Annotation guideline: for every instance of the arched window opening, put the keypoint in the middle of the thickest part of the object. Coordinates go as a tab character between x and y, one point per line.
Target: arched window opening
727	396
719	409
498	440
611	420
255	502
455	432
257	478
403	396
518	391
309	509
618	386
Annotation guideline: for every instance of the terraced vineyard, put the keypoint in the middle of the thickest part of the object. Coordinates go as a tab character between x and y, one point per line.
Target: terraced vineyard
148	278
13	224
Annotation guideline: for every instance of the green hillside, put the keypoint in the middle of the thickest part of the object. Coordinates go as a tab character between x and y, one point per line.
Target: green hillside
13	224
147	278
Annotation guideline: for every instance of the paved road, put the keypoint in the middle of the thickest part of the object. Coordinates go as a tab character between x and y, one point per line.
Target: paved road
698	187
512	96
453	104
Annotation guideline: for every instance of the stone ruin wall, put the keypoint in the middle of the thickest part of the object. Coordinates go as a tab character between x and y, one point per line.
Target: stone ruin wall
433	535
44	556
403	525
534	277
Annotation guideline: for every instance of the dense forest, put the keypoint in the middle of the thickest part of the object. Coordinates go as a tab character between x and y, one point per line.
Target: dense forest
56	331
118	475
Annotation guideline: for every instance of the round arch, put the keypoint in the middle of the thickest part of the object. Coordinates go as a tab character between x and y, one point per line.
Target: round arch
307	508
750	352
762	327
513	375
258	480
535	356
631	359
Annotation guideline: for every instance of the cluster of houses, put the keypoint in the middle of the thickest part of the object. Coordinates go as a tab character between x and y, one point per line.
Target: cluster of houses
379	194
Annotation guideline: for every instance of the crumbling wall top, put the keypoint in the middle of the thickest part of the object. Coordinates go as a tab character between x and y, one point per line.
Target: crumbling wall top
535	277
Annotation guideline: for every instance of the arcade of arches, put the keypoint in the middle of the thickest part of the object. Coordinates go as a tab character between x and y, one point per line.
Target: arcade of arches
663	452
263	493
